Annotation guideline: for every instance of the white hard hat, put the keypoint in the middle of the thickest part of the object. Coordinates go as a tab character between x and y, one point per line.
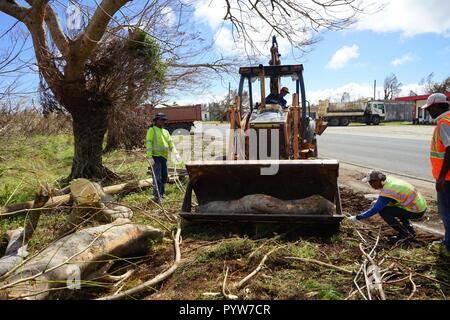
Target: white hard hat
434	99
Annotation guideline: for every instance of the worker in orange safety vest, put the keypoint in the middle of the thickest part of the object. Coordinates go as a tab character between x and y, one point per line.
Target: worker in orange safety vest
439	108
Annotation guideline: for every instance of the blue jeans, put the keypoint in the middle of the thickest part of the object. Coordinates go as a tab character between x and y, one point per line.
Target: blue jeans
443	199
161	177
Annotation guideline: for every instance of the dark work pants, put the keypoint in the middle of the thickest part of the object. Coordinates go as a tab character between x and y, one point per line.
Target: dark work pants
399	219
161	176
443	199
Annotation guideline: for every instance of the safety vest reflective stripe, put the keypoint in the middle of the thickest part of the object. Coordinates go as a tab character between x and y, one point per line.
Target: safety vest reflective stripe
404	200
410	199
405	195
437	149
437	155
399	197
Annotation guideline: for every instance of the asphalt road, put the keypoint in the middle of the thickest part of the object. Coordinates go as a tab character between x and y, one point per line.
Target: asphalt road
406	156
400	149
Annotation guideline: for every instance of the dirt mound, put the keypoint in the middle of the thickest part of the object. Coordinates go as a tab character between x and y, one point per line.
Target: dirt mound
353	202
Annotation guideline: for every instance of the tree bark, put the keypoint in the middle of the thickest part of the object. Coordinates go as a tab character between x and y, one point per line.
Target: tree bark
89	128
264	204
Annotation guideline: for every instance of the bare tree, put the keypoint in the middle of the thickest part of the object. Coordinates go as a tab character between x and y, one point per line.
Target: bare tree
432	87
296	21
392	87
72	68
345	97
442	87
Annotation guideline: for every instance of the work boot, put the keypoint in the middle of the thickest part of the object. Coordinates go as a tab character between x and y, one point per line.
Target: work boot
400	237
410	229
157	200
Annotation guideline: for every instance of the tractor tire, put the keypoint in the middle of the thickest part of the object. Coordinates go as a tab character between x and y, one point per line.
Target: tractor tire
344	122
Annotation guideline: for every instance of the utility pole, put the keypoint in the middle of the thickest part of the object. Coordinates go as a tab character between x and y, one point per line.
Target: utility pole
374	89
229	92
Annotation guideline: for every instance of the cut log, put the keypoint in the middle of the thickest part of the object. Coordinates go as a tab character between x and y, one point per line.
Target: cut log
264	204
75	257
92	203
123	188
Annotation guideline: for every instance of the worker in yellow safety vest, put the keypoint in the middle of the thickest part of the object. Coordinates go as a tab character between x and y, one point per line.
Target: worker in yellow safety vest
159	144
439	108
397	204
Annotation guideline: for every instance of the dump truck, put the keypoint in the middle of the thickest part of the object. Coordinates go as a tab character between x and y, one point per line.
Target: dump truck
178	117
342	114
271	172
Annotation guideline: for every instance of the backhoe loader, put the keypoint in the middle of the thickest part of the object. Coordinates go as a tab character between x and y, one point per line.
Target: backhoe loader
272	160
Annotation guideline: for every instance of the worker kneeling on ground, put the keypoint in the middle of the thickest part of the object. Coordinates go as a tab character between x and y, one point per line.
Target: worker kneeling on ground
278	98
159	144
398	202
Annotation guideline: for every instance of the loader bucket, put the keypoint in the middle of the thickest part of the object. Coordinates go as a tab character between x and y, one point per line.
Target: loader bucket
232	180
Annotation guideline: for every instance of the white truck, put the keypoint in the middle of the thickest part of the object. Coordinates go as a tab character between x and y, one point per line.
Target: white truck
342	114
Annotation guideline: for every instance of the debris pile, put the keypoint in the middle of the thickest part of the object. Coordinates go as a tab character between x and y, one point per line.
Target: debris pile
79	253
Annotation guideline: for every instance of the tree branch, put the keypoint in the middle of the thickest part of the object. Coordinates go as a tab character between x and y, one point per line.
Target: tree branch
45	59
10	7
88	40
56	32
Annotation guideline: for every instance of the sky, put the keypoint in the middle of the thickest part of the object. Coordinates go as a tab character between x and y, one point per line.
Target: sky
410	38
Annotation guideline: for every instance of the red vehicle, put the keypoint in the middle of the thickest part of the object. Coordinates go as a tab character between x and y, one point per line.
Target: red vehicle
178	117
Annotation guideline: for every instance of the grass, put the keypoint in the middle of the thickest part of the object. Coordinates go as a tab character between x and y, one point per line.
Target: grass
397	123
26	163
229	250
209	248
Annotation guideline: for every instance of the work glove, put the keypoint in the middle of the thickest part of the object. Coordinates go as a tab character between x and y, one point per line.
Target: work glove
352	219
177	158
151	162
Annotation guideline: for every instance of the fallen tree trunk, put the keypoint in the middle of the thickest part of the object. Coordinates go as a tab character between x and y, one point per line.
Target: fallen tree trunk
18	239
159	278
123	188
264	204
71	259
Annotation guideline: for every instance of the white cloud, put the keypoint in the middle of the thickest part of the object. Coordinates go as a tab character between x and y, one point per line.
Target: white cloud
343	56
356	91
213	12
210	12
225	43
410	17
168	15
407	57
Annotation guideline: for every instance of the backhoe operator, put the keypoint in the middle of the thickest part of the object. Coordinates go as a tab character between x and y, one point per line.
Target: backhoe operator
278	98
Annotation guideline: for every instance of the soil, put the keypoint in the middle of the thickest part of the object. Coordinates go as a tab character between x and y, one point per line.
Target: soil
201	271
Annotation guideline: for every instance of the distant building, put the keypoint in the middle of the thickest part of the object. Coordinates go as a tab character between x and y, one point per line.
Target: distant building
206	115
419	116
398	110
